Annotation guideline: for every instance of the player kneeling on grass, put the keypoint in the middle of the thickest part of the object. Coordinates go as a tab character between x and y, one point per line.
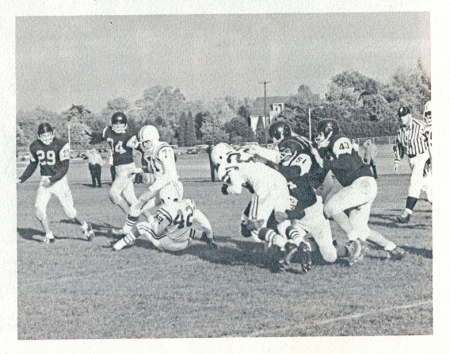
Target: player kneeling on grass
52	154
269	193
172	226
358	192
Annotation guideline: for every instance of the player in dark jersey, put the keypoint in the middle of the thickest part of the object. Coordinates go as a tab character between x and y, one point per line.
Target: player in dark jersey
298	166
52	154
357	195
122	141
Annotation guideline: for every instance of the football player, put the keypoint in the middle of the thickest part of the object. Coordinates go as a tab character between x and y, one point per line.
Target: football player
122	140
306	213
52	155
172	226
357	195
268	187
160	159
278	131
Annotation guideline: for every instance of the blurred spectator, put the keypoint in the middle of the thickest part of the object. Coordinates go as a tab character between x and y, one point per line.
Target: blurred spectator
355	145
370	154
137	158
112	169
211	164
95	163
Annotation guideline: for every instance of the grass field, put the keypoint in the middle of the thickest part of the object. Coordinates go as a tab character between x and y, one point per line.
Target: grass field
74	289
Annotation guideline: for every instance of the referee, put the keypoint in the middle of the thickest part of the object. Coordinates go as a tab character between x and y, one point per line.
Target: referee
411	141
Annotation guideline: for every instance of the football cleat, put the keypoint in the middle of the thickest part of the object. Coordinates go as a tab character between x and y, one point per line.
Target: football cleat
48	240
89	232
356	252
397	254
305	256
403	219
291	250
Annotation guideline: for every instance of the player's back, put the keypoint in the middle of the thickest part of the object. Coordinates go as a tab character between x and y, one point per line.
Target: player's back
180	214
260	176
162	160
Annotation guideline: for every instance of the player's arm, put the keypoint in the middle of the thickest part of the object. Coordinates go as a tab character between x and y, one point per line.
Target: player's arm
133	142
64	155
96	137
268	154
199	218
34	162
234	181
167	158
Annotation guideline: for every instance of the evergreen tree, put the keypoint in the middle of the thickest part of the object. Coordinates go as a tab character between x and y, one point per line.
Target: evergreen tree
190	137
182	130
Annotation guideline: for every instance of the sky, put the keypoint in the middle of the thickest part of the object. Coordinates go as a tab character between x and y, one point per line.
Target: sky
90	60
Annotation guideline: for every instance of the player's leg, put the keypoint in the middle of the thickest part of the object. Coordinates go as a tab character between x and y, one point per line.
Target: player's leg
121	182
62	191
92	172
319	228
42	198
417	164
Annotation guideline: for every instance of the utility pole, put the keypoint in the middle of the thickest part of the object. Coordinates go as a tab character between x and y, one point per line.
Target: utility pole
265	111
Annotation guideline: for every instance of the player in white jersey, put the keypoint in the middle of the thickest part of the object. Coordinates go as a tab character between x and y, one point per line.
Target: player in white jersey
172	226
161	161
269	190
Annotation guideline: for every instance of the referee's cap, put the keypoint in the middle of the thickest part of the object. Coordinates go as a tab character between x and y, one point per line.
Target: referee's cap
403	111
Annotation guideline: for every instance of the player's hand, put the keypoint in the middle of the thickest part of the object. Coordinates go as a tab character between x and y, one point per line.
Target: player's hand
280	216
396	166
46	181
211	242
254	224
18	181
225	189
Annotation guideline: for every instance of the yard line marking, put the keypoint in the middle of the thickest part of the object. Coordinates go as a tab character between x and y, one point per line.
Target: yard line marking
269	332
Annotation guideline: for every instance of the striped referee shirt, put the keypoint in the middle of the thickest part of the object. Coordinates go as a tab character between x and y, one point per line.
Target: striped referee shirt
411	140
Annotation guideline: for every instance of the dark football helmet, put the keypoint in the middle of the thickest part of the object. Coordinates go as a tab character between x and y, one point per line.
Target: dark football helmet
279	130
45	133
325	130
119	122
296	152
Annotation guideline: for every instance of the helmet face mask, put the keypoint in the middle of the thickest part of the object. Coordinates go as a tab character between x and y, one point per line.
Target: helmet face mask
148	137
279	130
326	129
119	122
45	133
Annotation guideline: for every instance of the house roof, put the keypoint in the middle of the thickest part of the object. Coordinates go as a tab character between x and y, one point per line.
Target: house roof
258	104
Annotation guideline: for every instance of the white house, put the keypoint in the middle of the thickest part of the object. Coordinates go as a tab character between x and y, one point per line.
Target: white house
274	106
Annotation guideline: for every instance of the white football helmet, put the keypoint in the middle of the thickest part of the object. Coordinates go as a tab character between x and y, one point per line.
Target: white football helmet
168	193
148	137
220	152
427	112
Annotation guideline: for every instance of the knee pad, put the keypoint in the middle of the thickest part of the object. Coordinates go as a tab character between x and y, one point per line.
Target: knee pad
40	214
71	213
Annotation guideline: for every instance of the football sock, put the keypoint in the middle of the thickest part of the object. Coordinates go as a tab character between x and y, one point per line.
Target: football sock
272	237
410	204
294	235
130	223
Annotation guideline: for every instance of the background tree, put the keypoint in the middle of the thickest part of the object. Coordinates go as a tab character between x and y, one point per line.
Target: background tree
182	130
239	131
191	138
260	132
